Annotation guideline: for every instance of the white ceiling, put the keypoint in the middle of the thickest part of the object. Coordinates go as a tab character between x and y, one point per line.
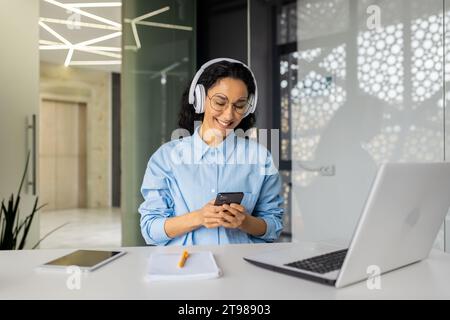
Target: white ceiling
61	29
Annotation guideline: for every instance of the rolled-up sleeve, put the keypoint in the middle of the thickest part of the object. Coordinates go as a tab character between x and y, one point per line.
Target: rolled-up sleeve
157	205
270	203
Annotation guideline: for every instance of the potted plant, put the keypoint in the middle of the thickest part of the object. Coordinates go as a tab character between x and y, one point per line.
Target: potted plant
13	233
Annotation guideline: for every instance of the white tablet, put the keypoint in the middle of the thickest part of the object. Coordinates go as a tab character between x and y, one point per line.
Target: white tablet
86	260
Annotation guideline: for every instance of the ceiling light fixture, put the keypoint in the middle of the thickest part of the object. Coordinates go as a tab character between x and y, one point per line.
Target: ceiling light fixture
81	46
101	62
139	20
163	25
108	24
80	24
68	57
54	33
84	13
94	4
99	52
61	46
99	39
46	42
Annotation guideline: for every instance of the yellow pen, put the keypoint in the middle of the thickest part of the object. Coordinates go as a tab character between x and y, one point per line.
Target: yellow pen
183	259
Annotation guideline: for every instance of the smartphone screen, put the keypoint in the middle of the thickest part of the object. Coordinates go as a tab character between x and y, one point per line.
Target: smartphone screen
228	198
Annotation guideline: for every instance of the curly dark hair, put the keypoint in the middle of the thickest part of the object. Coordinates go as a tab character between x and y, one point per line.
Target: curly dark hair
213	73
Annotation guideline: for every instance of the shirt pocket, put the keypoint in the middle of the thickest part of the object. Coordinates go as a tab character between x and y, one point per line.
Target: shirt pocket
249	201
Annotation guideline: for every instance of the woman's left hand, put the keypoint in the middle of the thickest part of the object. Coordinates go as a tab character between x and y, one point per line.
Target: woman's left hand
233	215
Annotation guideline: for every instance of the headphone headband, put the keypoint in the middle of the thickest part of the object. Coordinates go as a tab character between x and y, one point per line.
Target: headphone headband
193	86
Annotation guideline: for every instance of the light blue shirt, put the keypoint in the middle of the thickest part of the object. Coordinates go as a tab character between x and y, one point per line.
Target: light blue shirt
184	174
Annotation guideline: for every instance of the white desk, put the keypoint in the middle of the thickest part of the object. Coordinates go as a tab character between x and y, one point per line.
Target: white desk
124	279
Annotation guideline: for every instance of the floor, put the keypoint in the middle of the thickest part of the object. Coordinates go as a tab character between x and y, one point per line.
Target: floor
80	228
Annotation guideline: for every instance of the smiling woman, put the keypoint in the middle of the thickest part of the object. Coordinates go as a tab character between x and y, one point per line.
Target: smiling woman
238	80
183	176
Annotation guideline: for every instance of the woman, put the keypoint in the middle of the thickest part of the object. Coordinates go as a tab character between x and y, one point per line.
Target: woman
183	176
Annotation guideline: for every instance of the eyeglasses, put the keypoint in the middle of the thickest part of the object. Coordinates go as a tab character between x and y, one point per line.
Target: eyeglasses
220	103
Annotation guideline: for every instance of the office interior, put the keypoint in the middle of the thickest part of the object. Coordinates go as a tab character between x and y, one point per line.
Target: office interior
91	90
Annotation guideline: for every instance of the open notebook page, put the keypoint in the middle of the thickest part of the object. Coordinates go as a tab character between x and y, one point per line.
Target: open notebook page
199	265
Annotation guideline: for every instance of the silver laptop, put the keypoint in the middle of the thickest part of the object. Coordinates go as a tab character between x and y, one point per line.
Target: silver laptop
402	216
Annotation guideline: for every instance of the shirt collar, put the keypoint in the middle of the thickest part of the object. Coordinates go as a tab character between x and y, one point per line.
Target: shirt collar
227	146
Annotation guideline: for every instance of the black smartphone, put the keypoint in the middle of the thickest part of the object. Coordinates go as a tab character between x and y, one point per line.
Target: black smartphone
228	198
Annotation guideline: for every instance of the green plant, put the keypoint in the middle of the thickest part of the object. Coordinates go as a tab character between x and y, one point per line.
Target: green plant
13	233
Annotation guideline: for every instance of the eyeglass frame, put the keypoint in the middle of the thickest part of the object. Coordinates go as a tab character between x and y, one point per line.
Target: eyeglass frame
235	109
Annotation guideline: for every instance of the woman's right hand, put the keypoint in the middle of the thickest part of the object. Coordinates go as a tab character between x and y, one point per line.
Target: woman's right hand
209	215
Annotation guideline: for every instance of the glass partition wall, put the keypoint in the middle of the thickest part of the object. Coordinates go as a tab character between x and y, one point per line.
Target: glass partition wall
349	83
360	83
446	107
158	62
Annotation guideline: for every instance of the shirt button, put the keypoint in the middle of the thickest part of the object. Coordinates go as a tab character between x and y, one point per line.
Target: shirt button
213	190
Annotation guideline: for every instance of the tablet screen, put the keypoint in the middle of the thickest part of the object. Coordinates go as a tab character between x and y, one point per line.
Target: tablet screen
84	258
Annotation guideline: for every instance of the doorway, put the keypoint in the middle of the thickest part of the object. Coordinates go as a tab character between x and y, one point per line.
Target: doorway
62	154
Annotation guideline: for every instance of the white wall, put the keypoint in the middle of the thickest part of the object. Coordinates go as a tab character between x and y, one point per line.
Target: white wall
383	103
19	93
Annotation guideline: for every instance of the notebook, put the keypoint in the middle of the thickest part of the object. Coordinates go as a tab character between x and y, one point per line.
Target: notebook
199	265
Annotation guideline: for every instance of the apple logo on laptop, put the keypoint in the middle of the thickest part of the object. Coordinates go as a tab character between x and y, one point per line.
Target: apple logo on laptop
413	217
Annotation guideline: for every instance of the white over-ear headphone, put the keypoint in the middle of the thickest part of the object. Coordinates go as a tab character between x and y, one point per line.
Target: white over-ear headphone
197	94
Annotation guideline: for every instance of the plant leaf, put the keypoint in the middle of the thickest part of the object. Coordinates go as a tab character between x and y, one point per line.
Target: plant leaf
24	174
28	225
2	222
17	231
10	216
17	220
49	233
23	223
40	207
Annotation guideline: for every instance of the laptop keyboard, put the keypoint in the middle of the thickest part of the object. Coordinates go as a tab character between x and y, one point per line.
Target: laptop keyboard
321	264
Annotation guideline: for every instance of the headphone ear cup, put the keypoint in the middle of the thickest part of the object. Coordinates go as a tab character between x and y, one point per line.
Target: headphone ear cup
199	103
252	103
251	109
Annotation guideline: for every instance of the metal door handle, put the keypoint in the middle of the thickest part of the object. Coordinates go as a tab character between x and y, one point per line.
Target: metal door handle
31	126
